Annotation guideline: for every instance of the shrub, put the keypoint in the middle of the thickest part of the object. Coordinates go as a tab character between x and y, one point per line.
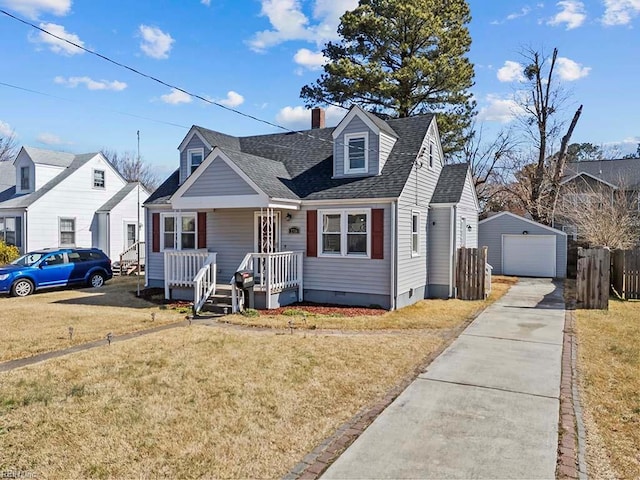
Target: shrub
8	253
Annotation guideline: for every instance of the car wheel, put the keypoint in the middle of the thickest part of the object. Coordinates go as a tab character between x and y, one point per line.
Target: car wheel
96	280
22	288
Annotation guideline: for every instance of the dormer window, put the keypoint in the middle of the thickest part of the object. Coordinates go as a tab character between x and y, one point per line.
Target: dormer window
356	153
194	158
25	181
98	179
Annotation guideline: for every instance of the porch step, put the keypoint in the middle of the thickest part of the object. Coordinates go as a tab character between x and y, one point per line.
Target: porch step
220	302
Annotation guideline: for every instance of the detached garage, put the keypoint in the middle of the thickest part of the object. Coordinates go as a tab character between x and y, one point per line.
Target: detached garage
521	247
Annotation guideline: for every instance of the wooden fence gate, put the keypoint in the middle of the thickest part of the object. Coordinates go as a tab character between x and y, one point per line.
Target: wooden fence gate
471	268
625	273
592	284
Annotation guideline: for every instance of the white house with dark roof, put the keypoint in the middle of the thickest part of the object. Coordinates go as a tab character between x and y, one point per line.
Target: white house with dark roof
56	199
365	213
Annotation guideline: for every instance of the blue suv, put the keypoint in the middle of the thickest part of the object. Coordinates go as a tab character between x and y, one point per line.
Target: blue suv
55	268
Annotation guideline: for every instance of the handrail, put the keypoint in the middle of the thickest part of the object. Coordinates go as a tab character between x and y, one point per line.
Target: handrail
204	283
130	256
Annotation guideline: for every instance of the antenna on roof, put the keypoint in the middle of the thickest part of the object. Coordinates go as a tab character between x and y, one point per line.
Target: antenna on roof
137	239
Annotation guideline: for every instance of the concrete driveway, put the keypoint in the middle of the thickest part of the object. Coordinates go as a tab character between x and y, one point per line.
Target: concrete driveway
486	408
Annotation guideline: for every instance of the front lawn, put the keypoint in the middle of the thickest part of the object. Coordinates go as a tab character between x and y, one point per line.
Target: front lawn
609	366
40	322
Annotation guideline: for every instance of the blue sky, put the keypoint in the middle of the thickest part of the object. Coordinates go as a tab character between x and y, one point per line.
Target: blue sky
255	55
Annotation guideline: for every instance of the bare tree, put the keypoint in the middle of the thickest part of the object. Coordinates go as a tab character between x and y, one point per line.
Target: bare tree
132	168
8	147
602	215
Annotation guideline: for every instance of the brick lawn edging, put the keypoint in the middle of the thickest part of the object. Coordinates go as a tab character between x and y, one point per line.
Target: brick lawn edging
320	458
571	439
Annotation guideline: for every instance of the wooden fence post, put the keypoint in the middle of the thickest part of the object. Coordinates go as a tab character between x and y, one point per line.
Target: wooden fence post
593	279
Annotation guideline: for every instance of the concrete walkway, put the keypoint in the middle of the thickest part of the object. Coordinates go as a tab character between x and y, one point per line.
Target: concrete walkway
486	408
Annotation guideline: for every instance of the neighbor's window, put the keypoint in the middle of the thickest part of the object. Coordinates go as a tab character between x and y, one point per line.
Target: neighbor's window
415	233
67	231
194	158
179	231
10	231
98	179
356	153
345	232
25	182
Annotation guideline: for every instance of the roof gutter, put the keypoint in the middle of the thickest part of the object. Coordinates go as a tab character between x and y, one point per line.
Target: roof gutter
349	201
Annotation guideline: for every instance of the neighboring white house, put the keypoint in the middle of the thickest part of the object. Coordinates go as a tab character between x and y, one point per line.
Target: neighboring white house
360	214
55	199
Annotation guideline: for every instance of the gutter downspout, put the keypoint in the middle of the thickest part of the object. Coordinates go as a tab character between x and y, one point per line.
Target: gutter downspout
25	229
394	229
452	250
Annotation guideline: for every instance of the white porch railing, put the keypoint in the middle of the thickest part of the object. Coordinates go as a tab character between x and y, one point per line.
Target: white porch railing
181	268
204	283
130	258
273	273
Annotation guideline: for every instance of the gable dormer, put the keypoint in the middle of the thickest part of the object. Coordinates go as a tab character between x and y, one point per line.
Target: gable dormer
193	150
362	144
25	173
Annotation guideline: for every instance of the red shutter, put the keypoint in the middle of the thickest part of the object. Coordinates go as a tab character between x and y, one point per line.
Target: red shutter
312	233
202	229
155	232
377	233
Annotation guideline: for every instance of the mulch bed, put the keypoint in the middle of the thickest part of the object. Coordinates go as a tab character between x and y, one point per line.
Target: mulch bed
326	309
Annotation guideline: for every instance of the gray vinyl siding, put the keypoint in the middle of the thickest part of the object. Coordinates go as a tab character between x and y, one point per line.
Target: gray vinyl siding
230	233
439	243
154	261
356	126
195	142
386	145
467	209
219	179
492	230
345	274
412	270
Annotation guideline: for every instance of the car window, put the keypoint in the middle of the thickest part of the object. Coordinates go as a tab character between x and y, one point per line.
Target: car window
74	257
27	260
55	259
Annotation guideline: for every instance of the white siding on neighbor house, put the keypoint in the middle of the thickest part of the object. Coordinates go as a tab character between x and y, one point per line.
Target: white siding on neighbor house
125	212
185	168
492	229
468	210
344	274
416	195
356	126
386	145
440	257
100	235
219	179
75	198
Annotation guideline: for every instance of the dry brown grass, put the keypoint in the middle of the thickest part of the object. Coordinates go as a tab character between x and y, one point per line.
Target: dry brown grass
40	322
195	402
432	314
609	364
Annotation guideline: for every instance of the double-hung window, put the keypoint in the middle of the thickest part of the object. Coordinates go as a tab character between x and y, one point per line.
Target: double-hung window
67	232
25	182
98	179
194	158
179	231
345	233
11	231
356	153
415	233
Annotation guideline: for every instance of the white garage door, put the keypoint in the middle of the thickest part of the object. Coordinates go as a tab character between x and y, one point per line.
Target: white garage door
529	255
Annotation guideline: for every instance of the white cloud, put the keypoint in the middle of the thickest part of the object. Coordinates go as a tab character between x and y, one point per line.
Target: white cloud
206	2
499	109
49	139
5	129
572	14
569	70
155	43
289	22
233	99
309	59
620	12
55	44
511	72
176	97
91	84
299	118
33	8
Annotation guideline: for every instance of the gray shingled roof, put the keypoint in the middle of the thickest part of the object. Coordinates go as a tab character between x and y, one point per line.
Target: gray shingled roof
450	183
380	123
7	180
217	139
624	171
117	198
49	157
299	165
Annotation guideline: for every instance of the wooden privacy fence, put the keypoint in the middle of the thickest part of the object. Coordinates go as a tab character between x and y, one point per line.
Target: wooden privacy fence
471	271
625	273
592	283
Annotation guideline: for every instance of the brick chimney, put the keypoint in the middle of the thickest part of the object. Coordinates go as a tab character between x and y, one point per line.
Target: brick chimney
317	117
